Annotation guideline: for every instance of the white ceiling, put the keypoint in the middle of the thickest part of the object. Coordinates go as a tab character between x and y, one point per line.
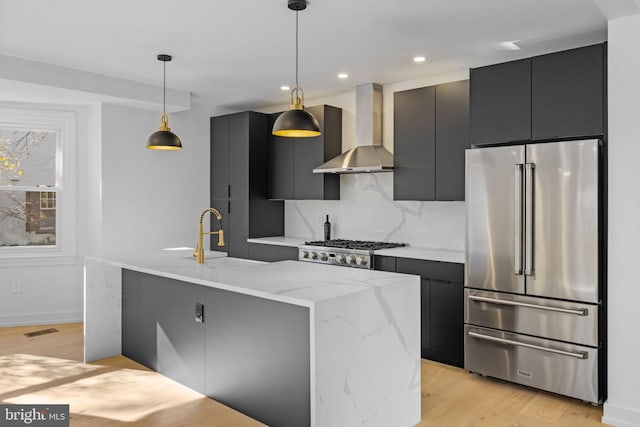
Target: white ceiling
237	54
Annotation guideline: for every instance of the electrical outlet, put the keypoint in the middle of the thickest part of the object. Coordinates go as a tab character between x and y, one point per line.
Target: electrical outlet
16	287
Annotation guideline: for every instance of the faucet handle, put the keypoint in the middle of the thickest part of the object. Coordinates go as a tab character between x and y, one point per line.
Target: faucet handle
221	237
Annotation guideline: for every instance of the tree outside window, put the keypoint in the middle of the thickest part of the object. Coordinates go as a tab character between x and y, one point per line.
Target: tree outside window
28	188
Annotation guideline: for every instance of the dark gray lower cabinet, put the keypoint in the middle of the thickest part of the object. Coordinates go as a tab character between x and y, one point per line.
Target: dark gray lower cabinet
258	359
138	319
441	305
250	353
272	253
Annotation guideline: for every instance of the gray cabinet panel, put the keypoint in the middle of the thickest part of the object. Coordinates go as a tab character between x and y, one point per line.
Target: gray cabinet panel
180	339
238	144
243	138
281	164
138	319
414	140
258	357
219	157
238	228
272	253
501	102
452	138
292	160
568	95
441	308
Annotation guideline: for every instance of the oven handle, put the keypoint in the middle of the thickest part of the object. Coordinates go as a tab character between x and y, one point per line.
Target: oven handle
576	311
578	355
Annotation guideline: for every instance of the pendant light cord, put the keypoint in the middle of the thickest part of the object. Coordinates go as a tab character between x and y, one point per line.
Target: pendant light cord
297	49
164	87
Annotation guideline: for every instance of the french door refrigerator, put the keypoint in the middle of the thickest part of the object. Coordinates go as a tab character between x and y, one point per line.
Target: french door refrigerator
533	273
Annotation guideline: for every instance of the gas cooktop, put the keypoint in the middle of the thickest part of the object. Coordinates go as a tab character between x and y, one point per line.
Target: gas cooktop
354	244
348	253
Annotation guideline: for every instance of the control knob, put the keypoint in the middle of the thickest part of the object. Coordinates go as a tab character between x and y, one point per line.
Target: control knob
351	259
362	260
324	256
305	254
341	258
314	255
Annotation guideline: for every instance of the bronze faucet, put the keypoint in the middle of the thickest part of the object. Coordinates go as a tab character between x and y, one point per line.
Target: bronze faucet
199	252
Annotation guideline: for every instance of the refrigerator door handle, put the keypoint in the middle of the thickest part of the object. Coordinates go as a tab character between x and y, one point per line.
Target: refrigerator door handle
528	220
577	311
577	355
517	232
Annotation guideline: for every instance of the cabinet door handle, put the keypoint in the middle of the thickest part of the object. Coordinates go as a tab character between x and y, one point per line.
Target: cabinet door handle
229	190
228	207
199	313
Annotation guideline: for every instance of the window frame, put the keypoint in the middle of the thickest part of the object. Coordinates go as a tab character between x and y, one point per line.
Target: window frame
64	124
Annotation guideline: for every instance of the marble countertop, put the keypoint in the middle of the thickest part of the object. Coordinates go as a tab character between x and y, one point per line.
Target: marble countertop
416	252
288	281
279	241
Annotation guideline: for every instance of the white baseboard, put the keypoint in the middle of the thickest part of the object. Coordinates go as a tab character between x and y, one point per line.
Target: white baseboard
40	318
620	416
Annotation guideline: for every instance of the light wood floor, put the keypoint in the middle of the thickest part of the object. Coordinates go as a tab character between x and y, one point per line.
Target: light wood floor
118	391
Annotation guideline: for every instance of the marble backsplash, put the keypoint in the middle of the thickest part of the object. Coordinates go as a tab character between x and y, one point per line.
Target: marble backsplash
367	211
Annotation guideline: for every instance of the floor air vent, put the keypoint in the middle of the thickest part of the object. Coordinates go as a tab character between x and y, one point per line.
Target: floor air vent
42	332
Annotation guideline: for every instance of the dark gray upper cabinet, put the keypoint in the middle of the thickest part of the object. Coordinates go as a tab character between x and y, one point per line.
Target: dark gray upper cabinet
452	138
501	102
239	153
414	141
555	96
431	132
568	97
292	160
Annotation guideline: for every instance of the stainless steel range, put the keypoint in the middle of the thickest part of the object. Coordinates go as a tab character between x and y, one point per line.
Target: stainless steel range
348	253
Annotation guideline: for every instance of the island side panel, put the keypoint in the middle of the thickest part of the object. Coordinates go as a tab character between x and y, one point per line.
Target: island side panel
102	310
367	356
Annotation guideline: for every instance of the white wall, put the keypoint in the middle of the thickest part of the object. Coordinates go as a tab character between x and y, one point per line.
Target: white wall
366	209
623	404
129	198
52	291
152	199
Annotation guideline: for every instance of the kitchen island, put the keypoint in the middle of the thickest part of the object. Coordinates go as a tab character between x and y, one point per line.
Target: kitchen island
287	343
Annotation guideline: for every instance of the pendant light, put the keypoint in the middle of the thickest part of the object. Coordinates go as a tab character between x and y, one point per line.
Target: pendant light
296	122
164	139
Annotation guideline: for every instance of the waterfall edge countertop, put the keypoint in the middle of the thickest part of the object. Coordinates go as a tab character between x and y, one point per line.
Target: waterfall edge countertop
362	333
286	281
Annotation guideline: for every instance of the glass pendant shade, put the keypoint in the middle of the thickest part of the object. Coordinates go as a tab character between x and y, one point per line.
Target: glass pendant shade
164	139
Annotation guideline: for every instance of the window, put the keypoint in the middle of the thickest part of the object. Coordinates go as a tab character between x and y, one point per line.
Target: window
37	203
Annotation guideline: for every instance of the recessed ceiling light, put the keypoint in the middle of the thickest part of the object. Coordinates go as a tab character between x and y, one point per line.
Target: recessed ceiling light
284	88
343	76
419	59
511	45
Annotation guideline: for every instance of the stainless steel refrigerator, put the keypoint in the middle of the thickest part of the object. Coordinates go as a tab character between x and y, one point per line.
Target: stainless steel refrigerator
533	272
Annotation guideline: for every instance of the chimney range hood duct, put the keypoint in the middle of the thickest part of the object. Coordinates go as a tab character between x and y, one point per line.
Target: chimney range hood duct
369	155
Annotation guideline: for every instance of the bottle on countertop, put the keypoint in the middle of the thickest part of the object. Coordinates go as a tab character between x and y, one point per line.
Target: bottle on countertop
327	229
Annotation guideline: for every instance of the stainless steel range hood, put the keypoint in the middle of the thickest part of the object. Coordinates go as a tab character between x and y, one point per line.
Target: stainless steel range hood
369	155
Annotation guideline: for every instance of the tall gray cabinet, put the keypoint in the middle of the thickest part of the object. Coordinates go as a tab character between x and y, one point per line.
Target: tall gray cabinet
239	176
